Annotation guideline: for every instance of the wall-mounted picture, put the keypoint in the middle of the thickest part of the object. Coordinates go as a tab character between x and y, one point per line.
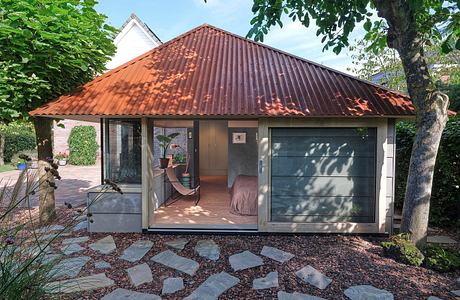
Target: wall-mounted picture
239	138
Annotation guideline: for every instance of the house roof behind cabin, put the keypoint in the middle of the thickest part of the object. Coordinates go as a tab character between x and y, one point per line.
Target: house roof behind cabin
147	29
210	72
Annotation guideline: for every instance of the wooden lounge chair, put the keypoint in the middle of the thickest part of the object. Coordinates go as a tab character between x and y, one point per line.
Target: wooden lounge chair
181	189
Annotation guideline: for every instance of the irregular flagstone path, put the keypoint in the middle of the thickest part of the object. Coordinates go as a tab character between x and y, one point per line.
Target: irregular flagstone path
440	239
137	250
50	236
213	287
50	228
123	294
69	267
276	254
178	244
76	240
51	257
71	248
245	260
296	296
104	245
102	265
80	284
367	292
208	249
172	260
314	277
172	285
269	281
140	274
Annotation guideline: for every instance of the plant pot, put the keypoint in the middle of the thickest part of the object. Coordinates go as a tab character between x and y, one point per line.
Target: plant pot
164	162
21	166
185	180
62	162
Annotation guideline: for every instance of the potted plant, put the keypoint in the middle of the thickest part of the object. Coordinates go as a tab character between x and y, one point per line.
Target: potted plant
62	158
165	141
22	162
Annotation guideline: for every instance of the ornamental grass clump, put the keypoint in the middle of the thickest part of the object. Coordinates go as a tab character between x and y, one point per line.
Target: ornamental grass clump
401	249
442	259
29	255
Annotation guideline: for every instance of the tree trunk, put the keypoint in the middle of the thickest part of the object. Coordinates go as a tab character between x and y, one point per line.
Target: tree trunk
431	114
43	131
2	148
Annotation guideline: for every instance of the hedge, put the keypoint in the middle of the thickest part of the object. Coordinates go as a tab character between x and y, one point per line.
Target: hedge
445	196
82	146
18	137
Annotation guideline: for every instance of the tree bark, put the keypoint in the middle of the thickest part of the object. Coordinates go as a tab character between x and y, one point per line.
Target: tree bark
47	204
431	114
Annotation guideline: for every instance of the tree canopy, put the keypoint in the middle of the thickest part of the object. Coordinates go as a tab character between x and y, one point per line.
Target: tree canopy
48	48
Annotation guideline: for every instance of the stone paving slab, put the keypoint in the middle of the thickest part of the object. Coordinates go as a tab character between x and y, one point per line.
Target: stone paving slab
104	245
245	260
296	296
269	281
140	274
76	240
69	267
367	292
440	239
71	249
80	226
102	265
50	228
314	277
47	237
213	287
80	284
456	293
433	298
172	285
208	249
178	244
276	254
172	260
124	294
137	250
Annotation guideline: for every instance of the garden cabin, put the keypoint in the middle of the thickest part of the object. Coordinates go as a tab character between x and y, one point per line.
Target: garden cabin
256	139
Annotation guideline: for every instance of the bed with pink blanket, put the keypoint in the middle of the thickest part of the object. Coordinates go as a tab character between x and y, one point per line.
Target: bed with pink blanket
244	196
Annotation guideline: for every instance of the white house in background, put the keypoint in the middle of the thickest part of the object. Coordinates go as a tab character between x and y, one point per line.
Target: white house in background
134	39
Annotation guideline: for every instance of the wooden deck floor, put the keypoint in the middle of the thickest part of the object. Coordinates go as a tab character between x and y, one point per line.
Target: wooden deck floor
213	208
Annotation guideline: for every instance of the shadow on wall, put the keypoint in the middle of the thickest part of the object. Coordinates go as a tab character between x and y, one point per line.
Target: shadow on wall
323	175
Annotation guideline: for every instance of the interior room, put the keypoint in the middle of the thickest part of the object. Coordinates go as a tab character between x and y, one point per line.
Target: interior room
209	175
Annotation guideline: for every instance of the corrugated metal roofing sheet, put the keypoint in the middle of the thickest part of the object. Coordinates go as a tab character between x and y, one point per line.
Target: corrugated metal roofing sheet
210	72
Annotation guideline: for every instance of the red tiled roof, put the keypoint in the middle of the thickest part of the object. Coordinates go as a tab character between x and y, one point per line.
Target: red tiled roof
210	72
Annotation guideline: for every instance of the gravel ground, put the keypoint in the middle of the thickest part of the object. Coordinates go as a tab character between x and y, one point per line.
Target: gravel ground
347	260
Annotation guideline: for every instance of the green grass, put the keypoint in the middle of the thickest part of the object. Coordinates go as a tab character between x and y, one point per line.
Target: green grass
7	167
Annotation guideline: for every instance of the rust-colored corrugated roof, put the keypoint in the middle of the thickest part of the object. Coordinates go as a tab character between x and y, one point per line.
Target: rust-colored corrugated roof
211	72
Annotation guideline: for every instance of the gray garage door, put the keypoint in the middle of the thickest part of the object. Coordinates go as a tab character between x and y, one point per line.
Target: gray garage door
323	174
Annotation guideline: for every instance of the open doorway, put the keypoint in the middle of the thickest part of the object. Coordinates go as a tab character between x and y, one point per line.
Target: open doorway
221	158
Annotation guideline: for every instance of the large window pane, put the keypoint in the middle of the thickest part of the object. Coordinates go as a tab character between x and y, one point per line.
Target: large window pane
323	174
124	150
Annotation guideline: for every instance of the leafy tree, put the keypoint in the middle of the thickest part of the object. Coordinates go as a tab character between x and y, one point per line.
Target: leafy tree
48	48
408	27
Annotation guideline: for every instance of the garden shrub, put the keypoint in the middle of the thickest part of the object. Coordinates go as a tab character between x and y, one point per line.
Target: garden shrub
19	136
82	146
445	197
401	249
442	259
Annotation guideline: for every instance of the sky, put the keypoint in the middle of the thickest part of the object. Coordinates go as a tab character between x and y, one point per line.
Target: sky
169	18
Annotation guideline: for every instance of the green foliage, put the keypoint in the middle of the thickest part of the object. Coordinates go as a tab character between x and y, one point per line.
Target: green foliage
401	249
19	136
82	146
445	198
165	141
337	19
442	259
48	48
